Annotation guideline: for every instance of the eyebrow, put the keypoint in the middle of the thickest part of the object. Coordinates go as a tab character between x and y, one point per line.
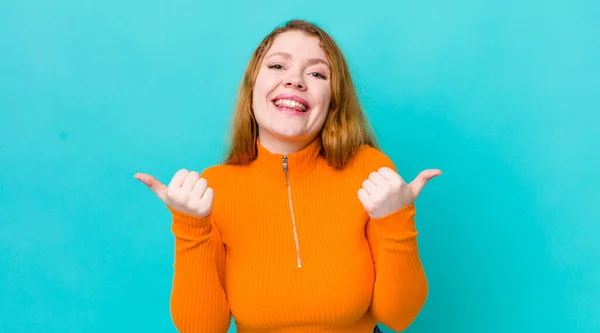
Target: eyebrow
311	61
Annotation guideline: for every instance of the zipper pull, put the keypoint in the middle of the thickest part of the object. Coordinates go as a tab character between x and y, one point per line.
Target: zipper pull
285	164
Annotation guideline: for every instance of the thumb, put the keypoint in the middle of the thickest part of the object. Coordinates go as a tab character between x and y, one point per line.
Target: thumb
422	179
156	186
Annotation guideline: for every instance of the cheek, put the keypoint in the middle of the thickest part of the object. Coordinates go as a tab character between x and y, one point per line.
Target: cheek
325	93
265	80
326	100
325	104
260	101
262	88
256	90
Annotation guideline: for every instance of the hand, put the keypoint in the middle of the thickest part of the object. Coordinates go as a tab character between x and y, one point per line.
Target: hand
385	192
187	192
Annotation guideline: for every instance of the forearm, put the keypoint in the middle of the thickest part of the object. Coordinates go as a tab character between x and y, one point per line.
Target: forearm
198	301
401	286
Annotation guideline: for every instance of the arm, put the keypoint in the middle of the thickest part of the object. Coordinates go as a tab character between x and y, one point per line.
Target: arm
198	300
401	286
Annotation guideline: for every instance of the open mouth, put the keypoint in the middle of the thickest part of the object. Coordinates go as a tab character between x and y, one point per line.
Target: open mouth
291	104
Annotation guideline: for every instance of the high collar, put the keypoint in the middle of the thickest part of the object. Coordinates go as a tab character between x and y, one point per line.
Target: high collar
299	164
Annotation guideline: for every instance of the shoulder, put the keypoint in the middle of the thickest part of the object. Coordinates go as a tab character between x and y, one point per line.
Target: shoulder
371	159
214	171
220	173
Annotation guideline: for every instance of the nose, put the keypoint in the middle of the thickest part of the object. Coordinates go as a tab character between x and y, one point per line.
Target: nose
295	81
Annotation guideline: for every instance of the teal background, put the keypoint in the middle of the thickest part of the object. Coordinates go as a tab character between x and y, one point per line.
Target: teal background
502	96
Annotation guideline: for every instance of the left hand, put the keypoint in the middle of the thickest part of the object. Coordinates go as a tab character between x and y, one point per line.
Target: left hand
385	192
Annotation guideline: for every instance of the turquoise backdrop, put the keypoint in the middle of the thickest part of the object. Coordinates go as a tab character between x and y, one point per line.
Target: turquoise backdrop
502	96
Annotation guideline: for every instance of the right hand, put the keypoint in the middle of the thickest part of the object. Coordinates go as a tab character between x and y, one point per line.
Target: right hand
187	192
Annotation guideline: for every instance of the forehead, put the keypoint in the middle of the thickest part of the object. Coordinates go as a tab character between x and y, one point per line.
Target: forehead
298	45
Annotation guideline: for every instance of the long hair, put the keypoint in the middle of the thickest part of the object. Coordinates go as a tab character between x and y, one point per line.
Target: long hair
345	129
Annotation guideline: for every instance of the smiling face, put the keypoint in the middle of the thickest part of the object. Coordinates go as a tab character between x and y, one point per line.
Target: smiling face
292	91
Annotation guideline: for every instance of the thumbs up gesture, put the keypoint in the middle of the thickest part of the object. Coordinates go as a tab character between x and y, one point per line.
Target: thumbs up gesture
187	192
385	192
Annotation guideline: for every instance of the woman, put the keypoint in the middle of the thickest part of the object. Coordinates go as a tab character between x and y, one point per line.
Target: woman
306	227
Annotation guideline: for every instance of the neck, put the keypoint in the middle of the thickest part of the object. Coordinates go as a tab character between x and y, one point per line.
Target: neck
283	147
269	161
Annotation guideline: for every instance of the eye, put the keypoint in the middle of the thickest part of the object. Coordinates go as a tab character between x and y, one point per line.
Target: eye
319	75
275	66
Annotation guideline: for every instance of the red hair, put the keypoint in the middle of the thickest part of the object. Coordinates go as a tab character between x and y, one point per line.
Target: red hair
346	128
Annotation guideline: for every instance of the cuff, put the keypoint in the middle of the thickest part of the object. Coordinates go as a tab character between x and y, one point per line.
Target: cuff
399	224
189	225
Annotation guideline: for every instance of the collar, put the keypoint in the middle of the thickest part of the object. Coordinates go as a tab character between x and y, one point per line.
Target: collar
300	163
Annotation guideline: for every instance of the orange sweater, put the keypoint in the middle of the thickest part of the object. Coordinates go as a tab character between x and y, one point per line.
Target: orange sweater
295	251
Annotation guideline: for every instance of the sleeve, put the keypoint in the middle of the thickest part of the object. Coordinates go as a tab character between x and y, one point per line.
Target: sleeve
198	300
401	286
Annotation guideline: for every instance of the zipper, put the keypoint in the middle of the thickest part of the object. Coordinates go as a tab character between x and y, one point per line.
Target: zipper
289	190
